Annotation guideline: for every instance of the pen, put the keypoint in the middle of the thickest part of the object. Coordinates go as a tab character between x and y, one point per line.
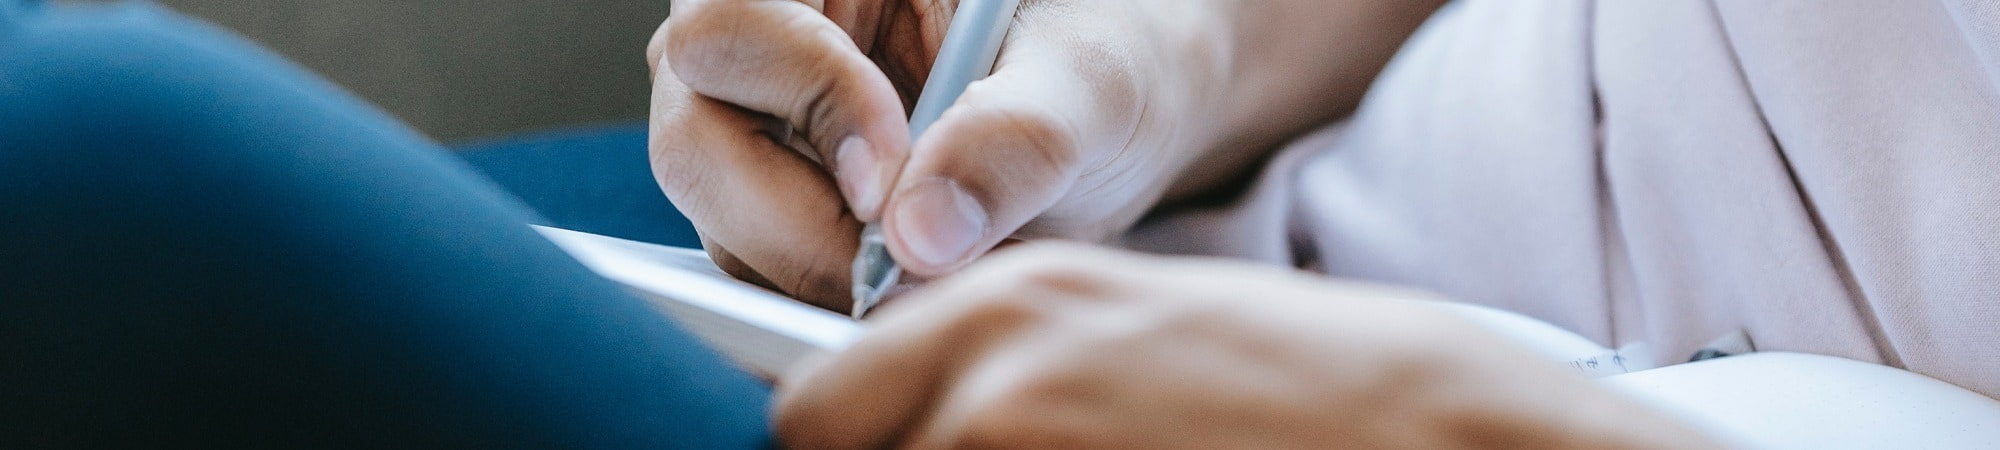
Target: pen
971	45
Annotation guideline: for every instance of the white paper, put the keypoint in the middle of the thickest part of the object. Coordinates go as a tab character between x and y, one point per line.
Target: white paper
761	330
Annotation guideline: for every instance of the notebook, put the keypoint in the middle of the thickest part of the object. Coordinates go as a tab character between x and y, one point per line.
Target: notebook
1753	400
759	329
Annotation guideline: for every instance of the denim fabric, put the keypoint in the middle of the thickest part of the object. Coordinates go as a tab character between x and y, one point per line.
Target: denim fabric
202	245
593	179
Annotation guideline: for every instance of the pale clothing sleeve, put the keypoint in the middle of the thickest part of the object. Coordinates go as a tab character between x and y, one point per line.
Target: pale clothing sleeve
1823	174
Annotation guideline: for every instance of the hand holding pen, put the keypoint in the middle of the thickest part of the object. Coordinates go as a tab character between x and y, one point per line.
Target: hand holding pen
780	128
970	46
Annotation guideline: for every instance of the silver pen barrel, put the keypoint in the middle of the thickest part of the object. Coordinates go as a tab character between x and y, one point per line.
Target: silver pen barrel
971	46
874	270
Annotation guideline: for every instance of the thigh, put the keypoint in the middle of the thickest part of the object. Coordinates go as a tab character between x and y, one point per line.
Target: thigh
593	179
203	244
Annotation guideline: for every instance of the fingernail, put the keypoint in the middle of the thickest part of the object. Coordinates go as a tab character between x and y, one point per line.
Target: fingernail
859	178
939	222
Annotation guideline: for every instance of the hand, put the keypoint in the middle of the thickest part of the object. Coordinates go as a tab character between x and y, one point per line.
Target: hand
1071	347
1090	112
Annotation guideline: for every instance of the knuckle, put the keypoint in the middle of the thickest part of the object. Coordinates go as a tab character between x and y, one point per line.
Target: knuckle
693	14
669	171
1049	381
1057	276
701	38
672	107
734	47
673	167
655	46
1038	279
1001	312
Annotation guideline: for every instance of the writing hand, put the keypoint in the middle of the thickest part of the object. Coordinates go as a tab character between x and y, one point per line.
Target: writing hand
1091	111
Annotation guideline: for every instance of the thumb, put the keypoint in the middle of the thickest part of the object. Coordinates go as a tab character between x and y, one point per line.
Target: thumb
1009	149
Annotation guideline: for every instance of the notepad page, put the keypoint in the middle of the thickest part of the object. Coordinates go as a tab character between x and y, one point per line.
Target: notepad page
759	329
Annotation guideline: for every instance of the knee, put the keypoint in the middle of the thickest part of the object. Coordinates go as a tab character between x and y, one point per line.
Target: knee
132	104
99	94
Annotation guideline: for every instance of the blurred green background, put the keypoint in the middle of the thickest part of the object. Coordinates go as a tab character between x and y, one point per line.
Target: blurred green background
460	69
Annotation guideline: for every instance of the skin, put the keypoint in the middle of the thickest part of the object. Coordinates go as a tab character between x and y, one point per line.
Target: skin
1064	346
779	127
1085	124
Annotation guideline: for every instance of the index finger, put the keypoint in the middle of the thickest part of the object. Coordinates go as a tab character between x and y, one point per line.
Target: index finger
766	204
784	58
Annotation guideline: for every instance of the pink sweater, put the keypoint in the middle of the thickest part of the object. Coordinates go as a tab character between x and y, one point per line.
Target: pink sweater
1823	174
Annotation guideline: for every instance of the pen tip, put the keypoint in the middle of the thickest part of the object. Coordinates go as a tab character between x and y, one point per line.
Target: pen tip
874	270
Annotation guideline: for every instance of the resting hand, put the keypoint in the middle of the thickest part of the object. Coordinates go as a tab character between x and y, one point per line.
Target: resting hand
1068	347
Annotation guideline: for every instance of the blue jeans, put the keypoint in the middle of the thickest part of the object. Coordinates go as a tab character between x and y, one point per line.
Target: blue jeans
201	245
593	178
